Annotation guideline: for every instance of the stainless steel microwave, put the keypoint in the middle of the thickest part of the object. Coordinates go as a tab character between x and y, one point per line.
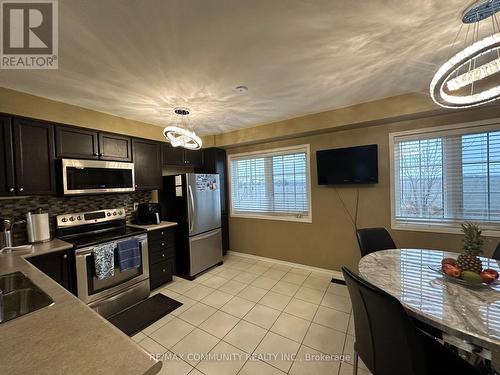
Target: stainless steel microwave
96	176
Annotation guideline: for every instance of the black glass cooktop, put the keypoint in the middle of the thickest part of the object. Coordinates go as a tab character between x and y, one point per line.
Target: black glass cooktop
90	239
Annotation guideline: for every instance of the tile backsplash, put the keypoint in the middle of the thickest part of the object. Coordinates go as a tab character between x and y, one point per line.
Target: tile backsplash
56	205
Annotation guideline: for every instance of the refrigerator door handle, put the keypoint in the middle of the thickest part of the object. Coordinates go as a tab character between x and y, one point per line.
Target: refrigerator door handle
191	214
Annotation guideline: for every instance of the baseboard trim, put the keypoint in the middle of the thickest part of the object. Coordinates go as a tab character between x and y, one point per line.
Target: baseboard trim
335	274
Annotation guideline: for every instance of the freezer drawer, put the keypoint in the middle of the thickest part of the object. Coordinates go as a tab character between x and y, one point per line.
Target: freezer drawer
205	251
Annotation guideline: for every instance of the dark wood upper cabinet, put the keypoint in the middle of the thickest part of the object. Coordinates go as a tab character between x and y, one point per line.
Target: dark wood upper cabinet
180	157
193	158
115	147
7	178
172	155
34	157
147	164
75	143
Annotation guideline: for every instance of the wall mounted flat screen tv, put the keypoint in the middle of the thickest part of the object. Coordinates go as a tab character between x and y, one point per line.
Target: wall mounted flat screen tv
346	166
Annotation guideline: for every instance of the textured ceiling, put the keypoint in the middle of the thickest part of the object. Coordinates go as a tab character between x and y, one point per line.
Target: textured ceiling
140	59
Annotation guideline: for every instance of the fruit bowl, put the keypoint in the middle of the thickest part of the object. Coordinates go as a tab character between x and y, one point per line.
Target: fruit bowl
461	281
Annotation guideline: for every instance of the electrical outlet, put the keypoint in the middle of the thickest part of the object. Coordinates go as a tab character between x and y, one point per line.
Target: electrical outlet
136	204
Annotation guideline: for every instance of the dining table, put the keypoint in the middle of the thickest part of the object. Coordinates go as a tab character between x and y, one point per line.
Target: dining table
466	316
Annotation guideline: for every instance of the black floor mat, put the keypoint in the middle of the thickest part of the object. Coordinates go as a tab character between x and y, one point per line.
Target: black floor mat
338	281
143	314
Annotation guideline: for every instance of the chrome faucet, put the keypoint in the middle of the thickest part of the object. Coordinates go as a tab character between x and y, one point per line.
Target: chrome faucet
8	224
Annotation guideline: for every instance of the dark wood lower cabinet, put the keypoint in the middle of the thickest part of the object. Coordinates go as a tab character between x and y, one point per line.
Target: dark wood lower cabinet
161	245
57	266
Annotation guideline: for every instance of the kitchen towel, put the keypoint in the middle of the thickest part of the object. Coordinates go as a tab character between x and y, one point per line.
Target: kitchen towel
104	260
129	254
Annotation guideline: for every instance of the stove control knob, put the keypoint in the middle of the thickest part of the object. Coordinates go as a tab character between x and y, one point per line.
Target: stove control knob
64	220
119	212
71	218
78	218
114	213
108	214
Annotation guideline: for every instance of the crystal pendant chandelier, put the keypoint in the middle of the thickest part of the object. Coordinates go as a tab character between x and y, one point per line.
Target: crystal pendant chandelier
182	135
472	76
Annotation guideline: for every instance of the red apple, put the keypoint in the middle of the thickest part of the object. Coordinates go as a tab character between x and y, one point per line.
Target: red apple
492	272
488	277
451	271
451	261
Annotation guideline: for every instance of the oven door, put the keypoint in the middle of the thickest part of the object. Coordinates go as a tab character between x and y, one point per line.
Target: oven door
96	176
91	289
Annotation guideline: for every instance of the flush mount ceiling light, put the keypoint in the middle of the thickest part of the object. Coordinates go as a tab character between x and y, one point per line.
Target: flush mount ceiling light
182	135
471	77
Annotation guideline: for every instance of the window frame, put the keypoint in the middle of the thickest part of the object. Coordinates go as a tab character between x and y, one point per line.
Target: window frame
270	216
450	228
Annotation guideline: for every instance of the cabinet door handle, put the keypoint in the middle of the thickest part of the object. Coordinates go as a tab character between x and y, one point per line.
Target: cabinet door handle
162	233
65	256
101	154
96	154
21	189
163	270
163	244
11	189
163	255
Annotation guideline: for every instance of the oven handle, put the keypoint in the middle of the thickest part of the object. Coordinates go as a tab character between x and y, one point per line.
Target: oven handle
88	250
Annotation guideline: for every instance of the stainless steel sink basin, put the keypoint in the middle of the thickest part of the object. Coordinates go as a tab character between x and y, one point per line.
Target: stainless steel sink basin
20	296
13	281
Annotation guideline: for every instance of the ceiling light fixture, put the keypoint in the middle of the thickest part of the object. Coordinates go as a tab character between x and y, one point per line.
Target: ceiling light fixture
182	135
471	77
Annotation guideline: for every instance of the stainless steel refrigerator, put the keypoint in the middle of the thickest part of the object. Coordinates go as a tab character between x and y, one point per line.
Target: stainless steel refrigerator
193	201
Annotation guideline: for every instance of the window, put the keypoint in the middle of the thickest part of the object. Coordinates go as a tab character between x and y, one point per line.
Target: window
273	184
441	178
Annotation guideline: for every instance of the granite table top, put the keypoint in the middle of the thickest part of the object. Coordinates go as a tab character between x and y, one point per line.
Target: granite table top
470	314
66	337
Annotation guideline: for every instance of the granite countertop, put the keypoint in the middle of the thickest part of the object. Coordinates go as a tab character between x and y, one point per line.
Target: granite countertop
467	313
67	337
163	224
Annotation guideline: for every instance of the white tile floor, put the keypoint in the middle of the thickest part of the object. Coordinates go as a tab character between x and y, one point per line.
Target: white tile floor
254	318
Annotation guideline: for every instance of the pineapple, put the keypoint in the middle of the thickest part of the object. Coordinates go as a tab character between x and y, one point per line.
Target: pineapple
473	246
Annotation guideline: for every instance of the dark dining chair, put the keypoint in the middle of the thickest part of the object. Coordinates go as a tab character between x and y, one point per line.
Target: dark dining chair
496	253
374	239
387	340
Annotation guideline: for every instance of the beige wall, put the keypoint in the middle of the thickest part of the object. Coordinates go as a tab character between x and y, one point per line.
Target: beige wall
22	104
375	112
330	242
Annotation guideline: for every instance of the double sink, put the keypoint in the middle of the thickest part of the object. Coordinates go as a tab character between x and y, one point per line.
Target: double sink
20	296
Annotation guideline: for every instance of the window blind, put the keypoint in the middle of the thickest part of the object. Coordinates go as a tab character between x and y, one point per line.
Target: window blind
273	183
447	177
